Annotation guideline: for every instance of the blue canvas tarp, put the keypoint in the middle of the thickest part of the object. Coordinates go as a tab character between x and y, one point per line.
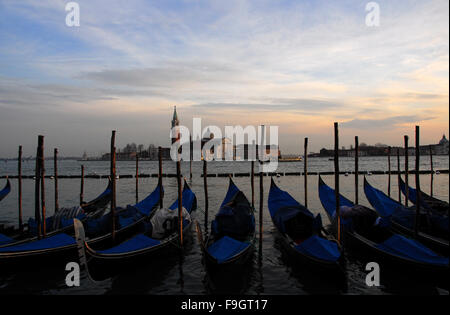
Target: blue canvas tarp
320	248
138	242
5	239
328	199
231	192
408	248
226	248
146	206
283	207
188	200
58	240
5	191
235	217
384	205
387	207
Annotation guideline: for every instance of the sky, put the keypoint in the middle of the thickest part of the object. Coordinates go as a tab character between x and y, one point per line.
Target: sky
298	64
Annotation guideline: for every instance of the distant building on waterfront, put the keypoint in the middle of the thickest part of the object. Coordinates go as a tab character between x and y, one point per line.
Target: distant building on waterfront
442	148
241	152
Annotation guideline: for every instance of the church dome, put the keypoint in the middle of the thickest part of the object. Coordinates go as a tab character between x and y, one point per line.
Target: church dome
443	140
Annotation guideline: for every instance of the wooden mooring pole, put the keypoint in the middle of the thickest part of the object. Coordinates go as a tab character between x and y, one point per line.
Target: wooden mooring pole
114	188
432	172
42	169
305	171
252	183
55	174
20	189
356	170
336	179
82	185
389	171
205	188
406	170
37	191
161	194
261	186
418	191
399	177
180	202
137	177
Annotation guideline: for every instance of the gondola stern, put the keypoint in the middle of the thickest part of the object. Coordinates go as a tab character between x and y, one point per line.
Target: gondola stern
321	181
82	246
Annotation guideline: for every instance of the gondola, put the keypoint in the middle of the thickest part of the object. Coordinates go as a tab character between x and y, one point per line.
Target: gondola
433	230
62	247
378	243
435	206
231	242
6	190
302	234
60	222
100	202
136	248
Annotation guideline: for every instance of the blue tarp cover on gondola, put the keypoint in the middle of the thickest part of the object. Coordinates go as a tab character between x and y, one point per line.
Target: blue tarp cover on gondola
125	217
411	193
58	240
320	248
5	191
235	217
387	207
188	198
226	248
283	207
138	242
384	205
328	200
408	248
5	239
148	204
106	192
231	192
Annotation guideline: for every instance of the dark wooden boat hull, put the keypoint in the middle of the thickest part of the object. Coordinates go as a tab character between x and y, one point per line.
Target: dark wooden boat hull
235	263
49	258
436	244
6	190
95	205
336	269
232	265
433	242
101	266
366	250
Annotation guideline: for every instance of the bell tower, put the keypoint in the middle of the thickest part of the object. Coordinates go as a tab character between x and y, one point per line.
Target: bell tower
175	123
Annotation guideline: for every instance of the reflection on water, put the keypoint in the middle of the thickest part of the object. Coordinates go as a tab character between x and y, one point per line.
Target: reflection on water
270	270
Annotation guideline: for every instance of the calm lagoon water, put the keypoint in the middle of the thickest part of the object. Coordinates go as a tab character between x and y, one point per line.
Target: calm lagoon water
269	273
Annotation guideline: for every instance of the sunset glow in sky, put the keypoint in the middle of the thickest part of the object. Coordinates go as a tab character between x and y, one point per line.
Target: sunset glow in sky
298	64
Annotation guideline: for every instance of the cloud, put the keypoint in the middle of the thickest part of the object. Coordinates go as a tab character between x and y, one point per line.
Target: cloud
390	122
173	74
261	60
303	106
25	94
